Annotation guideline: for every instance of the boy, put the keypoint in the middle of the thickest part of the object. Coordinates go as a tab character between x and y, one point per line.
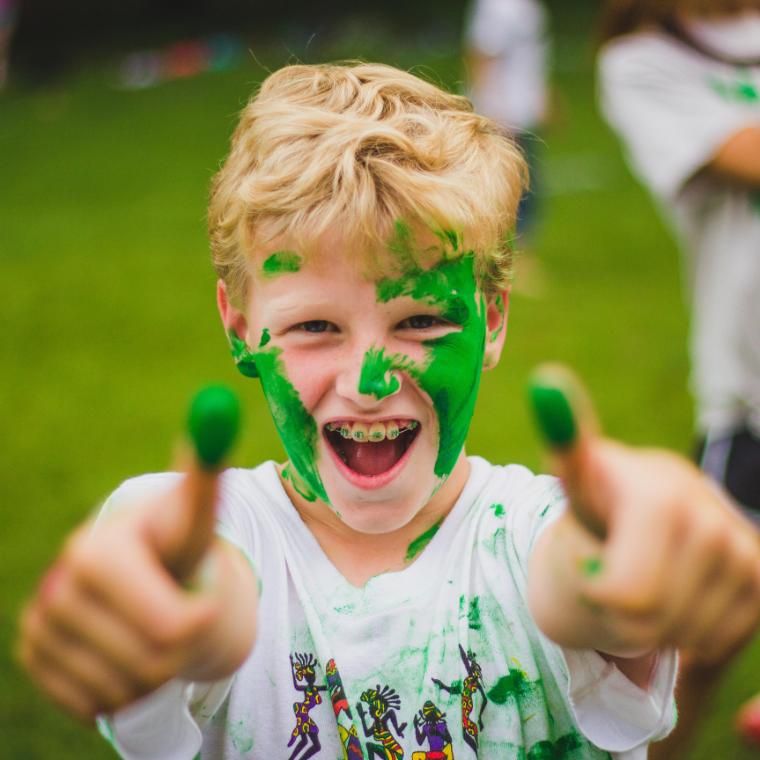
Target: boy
370	598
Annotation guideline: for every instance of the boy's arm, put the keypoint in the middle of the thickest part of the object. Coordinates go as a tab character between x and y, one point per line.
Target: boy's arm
649	553
148	595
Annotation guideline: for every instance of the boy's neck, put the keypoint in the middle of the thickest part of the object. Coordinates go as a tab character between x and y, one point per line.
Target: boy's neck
360	556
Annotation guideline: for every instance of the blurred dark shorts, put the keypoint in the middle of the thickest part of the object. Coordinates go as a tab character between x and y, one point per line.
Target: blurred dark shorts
734	461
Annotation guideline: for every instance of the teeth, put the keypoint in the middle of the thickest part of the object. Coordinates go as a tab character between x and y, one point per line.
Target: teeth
378	431
359	432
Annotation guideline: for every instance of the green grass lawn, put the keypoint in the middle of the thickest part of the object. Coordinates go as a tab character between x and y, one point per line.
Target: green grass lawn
109	322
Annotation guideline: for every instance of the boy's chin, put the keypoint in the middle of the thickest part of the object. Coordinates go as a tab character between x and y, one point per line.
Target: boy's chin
377	513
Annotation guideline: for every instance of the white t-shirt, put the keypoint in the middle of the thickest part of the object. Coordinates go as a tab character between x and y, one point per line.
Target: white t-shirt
344	668
512	35
674	108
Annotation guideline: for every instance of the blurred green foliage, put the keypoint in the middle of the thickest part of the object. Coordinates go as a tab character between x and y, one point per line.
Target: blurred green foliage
109	322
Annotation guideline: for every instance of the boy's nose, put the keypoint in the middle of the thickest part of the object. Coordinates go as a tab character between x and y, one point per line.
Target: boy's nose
375	376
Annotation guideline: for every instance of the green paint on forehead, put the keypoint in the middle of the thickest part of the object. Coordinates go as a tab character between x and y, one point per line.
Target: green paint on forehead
281	262
297	428
451	372
419	543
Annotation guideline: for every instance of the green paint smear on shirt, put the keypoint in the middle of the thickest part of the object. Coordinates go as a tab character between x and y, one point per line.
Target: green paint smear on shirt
240	738
297	428
281	262
498	510
558	750
740	90
451	372
515	685
421	542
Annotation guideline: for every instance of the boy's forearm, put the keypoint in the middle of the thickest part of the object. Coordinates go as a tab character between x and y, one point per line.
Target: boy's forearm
227	574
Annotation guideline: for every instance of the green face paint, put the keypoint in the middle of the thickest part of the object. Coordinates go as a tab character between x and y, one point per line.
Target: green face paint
376	378
297	428
450	374
421	542
265	338
281	262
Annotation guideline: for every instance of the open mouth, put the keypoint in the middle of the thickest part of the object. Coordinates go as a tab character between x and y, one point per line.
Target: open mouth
371	449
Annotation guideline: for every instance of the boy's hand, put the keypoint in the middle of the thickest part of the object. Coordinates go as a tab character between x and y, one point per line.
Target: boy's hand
113	619
659	555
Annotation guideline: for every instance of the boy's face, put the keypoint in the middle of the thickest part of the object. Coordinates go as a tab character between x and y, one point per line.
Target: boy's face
371	380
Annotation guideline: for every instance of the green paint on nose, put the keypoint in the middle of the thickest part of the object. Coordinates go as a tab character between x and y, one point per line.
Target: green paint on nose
376	378
213	423
281	262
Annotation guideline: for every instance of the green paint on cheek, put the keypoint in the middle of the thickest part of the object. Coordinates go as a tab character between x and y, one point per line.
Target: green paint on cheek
265	338
451	372
421	542
281	262
515	684
297	428
498	510
591	566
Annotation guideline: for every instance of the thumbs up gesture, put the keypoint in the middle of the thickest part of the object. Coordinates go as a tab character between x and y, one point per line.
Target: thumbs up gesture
649	553
147	594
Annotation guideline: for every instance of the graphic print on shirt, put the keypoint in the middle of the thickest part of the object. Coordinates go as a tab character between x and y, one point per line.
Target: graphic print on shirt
383	703
430	725
306	731
472	683
349	738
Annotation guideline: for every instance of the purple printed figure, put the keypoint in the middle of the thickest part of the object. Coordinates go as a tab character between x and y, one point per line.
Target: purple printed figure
472	683
306	730
383	704
429	724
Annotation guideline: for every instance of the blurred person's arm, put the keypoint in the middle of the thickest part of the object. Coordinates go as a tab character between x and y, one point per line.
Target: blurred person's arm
648	555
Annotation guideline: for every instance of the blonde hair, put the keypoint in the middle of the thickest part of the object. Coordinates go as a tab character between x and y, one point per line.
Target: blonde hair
357	148
621	17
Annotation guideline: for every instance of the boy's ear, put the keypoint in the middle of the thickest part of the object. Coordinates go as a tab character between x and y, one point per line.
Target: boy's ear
497	310
232	318
236	327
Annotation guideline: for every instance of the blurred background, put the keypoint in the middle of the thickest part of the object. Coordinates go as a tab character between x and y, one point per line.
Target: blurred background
113	118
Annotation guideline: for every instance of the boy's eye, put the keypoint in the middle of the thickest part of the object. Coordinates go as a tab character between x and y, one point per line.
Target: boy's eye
421	322
316	326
